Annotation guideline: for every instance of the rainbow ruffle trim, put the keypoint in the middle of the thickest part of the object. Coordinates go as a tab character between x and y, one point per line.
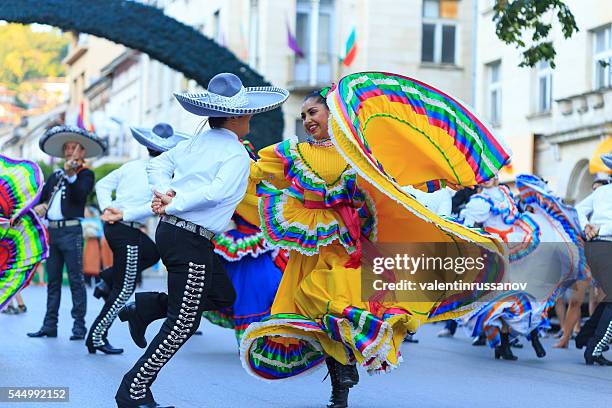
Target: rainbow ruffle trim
286	345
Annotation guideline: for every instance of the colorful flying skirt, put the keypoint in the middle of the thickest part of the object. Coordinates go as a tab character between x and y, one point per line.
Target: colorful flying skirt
520	311
23	238
255	281
318	311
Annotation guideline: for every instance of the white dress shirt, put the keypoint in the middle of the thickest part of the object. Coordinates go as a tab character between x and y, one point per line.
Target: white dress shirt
211	173
132	193
54	213
439	202
597	206
478	210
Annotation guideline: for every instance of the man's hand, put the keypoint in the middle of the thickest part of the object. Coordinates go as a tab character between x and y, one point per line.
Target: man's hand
41	209
591	231
75	161
161	201
112	215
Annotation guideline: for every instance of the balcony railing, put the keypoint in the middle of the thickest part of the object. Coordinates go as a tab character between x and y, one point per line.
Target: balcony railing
300	75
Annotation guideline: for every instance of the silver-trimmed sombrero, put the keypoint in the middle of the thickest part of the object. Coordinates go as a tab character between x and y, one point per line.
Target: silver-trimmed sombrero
160	138
607	160
225	96
53	140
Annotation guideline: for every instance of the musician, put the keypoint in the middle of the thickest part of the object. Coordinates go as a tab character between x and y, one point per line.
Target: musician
62	204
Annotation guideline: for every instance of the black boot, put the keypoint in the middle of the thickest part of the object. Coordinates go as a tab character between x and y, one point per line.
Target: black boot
503	350
535	342
341	382
104	286
480	340
588	328
515	343
347	374
102	290
137	326
106	348
601	338
44	333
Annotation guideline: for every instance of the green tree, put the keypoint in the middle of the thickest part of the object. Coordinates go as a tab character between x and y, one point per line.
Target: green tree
46	168
26	54
517	20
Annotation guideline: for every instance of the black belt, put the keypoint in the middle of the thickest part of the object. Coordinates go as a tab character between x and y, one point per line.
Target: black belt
189	226
64	223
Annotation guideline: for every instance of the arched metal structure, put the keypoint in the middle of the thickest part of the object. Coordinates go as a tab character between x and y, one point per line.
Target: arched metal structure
150	31
579	184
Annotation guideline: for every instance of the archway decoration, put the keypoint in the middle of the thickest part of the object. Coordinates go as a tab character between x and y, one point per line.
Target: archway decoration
579	183
149	30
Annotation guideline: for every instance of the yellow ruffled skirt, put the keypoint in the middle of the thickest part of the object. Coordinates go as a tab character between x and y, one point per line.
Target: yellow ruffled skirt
305	325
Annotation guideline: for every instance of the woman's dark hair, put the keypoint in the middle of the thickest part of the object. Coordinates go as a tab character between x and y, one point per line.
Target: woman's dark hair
216	123
461	198
153	153
316	95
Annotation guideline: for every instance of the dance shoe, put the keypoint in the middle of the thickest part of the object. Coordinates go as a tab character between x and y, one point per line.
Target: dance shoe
106	348
137	326
102	290
44	333
537	346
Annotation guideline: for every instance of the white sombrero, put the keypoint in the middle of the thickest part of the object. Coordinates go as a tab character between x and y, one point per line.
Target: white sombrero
53	140
161	138
225	96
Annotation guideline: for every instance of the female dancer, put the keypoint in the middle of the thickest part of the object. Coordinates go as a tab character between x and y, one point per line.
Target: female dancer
312	203
544	252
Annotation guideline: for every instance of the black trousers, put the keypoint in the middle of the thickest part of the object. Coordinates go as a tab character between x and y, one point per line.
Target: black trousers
66	247
196	282
599	259
133	252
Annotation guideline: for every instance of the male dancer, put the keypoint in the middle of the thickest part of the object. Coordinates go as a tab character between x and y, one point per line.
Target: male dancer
63	202
197	186
595	214
133	250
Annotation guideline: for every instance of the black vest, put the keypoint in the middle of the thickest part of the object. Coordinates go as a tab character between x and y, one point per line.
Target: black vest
73	196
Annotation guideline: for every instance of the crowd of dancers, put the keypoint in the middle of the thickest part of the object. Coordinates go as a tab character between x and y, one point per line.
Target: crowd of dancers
274	245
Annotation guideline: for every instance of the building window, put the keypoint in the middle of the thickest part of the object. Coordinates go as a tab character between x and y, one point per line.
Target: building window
494	92
544	74
218	34
602	57
439	31
324	53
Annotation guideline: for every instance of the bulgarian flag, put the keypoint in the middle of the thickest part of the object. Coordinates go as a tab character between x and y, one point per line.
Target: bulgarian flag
350	49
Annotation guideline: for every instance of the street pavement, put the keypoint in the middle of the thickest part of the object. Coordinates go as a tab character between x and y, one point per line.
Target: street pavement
206	372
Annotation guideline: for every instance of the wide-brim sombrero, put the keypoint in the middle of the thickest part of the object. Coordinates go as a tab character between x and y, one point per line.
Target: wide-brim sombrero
53	140
249	101
160	138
